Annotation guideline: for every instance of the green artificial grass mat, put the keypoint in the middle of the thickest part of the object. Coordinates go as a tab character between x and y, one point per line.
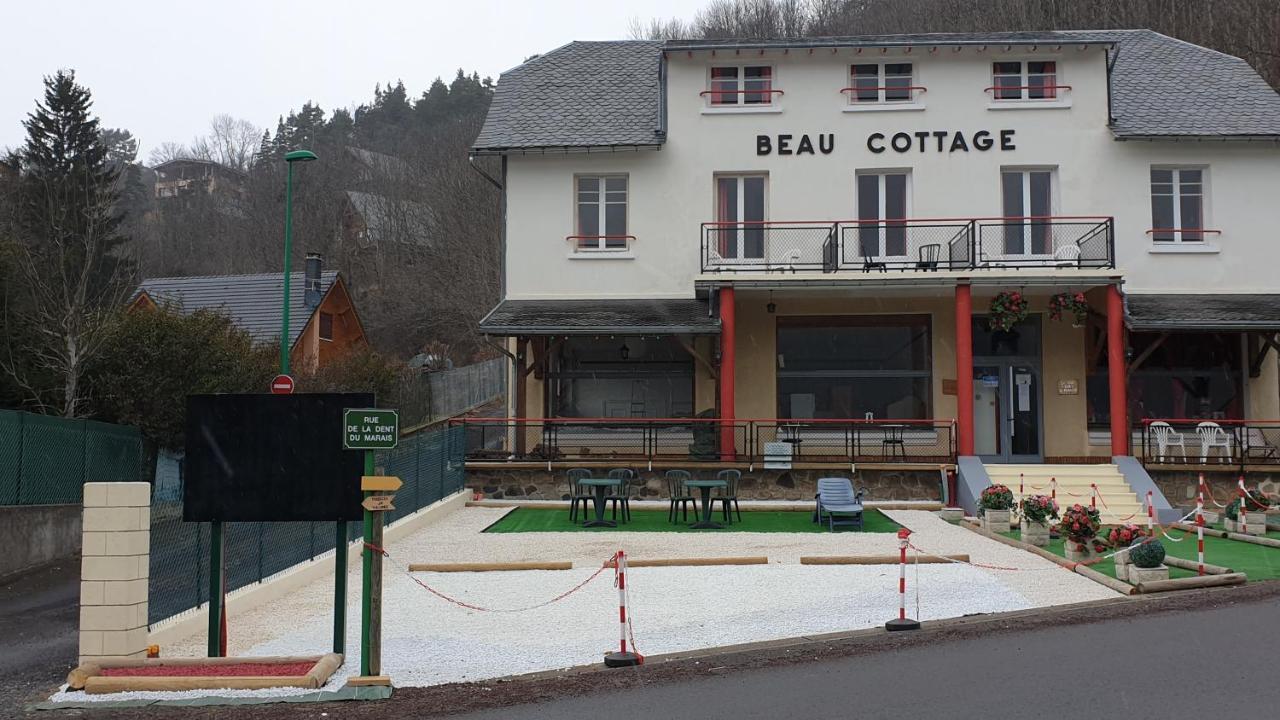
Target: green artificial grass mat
529	519
1273	534
1257	561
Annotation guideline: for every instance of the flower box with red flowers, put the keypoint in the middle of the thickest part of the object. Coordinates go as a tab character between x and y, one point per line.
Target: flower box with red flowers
1036	511
1079	528
1007	309
995	505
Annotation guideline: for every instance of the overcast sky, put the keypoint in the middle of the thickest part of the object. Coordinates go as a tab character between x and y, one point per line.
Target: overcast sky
162	69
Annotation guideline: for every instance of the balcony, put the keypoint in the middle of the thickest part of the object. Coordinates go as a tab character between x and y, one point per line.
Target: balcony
909	245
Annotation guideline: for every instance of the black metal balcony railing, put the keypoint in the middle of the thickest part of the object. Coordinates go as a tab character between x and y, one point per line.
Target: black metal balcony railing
910	244
689	440
1233	444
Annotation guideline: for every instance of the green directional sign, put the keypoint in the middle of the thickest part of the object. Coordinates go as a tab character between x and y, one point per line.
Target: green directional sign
370	429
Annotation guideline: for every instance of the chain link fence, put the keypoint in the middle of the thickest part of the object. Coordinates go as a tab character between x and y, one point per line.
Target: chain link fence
46	460
426	397
430	464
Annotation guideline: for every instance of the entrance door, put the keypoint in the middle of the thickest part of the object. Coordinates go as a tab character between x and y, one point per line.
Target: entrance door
1006	412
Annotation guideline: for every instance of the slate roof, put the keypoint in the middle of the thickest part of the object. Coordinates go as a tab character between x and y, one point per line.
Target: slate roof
591	317
600	94
584	94
1203	312
251	301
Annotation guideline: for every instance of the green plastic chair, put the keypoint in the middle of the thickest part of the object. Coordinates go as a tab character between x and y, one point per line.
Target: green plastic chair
578	493
728	494
622	496
680	496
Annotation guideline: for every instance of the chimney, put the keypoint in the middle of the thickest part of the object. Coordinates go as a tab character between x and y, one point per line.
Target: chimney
311	281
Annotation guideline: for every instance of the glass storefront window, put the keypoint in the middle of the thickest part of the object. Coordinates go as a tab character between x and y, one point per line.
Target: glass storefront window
847	367
1189	375
621	377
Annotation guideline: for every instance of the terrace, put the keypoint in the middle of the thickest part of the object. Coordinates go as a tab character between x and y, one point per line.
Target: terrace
909	245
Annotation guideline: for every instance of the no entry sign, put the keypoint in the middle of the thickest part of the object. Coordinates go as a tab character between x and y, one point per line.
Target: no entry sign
282	385
370	429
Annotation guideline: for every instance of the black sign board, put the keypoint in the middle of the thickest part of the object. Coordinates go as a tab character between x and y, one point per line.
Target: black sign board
271	458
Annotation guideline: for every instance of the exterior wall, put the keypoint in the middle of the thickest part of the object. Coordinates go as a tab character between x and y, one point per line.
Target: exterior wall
540	484
313	352
671	190
34	535
1262	394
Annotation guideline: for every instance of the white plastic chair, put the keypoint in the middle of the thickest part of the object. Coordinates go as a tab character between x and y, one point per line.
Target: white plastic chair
1213	436
1067	256
1166	437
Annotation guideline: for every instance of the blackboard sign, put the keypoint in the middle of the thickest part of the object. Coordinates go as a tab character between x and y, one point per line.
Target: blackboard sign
271	458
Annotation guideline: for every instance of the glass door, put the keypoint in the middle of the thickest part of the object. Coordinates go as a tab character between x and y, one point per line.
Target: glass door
1006	412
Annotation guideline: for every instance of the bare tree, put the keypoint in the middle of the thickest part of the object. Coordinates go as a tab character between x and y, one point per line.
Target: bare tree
166	151
230	142
69	301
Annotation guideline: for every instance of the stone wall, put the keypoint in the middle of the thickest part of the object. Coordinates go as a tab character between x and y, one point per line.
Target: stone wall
540	484
34	535
1179	486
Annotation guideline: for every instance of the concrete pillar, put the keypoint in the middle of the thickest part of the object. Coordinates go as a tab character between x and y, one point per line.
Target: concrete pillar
115	569
728	355
1117	372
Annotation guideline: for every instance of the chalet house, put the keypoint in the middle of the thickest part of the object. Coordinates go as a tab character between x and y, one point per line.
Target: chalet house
188	176
323	325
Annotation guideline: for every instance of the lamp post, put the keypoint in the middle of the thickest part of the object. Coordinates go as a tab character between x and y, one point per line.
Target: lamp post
290	158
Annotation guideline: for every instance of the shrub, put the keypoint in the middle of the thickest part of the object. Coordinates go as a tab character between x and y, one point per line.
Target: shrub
1080	524
1007	309
996	497
1124	535
1147	554
1257	502
1039	508
1073	304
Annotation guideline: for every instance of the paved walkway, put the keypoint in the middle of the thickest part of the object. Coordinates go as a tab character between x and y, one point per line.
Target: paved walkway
39	619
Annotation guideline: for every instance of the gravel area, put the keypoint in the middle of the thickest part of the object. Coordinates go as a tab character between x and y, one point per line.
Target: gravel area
427	641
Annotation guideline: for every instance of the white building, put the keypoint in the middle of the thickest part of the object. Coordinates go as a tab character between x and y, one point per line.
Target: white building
813	230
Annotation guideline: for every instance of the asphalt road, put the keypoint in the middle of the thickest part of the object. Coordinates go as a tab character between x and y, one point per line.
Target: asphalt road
39	616
1219	660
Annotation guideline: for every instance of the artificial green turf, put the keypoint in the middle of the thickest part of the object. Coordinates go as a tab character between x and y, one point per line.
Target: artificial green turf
1257	561
528	519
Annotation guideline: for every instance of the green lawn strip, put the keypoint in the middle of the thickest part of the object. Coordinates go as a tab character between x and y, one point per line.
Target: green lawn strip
530	519
1256	561
1273	534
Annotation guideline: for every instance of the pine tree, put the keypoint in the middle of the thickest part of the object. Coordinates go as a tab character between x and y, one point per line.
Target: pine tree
72	275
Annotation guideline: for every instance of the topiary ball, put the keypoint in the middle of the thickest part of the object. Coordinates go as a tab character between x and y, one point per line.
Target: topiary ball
1148	554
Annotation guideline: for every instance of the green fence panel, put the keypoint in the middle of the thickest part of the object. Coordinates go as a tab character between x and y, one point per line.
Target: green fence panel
46	460
10	457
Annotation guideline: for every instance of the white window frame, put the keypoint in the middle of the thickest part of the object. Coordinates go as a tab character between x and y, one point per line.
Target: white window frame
600	246
1207	243
882	241
1062	92
741	237
1054	208
771	105
881	103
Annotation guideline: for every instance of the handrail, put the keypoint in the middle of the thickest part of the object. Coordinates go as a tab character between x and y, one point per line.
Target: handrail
992	218
741	92
878	88
1026	87
1223	421
1194	231
599	237
636	420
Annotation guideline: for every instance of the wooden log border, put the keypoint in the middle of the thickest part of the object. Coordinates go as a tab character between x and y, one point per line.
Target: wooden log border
1109	582
1205	581
1191	565
1213	532
880	559
690	562
86	676
488	567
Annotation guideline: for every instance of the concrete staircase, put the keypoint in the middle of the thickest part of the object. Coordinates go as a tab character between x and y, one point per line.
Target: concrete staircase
1117	502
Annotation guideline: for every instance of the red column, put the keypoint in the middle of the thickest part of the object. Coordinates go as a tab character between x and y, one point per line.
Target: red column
728	340
964	370
1117	374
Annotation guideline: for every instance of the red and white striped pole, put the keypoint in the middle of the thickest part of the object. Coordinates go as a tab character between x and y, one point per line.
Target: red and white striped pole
902	622
1093	495
1242	512
1021	480
1151	516
1053	488
1200	532
622	658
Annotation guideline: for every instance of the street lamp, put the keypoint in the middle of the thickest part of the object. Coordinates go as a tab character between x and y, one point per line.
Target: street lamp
290	158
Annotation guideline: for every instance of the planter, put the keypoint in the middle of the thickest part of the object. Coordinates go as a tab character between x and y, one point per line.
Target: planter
1145	575
1255	521
953	515
1075	555
1035	533
996	521
1122	565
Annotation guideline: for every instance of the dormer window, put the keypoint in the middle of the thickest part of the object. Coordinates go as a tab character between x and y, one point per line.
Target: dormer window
741	86
881	83
1030	80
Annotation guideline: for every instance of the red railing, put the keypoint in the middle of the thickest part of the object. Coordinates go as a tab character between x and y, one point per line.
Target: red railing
911	91
579	242
699	440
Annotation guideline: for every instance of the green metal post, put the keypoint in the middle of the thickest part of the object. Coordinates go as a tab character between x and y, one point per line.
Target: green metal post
288	253
340	588
215	589
366	576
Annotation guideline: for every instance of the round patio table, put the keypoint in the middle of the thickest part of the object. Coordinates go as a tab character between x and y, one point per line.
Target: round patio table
705	486
601	486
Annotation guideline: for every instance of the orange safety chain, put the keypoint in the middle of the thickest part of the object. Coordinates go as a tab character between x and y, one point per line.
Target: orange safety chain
478	608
